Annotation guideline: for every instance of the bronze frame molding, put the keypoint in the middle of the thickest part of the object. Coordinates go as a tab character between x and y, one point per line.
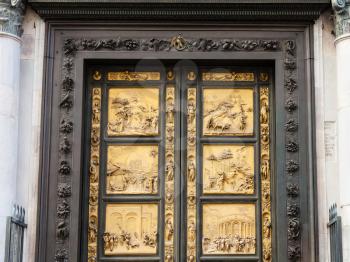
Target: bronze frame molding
70	49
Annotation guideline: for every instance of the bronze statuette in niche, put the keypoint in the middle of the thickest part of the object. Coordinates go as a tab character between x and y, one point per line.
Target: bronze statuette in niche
228	112
228	169
132	169
229	229
131	229
133	111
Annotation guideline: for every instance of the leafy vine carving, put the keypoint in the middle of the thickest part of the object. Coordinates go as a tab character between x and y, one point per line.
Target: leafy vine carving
179	44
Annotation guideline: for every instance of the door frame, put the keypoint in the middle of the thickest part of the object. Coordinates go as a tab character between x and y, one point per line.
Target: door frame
296	183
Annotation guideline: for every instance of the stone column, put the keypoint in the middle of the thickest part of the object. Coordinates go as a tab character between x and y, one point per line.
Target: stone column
11	15
342	43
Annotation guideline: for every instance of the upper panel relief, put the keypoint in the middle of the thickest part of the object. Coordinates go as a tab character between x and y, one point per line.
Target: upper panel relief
228	112
133	112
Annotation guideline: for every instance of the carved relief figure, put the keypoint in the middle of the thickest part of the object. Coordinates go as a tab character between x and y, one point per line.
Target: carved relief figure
191	111
169	170
133	111
265	168
191	231
191	171
131	229
228	112
229	229
132	169
169	229
228	169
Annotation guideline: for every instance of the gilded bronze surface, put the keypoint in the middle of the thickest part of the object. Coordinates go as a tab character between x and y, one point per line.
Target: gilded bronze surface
169	174
133	76
97	75
191	175
94	173
131	229
229	229
133	111
265	173
228	76
132	169
228	112
228	169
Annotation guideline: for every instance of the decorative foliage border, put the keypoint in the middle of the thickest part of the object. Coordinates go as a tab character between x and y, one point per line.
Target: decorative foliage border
180	44
292	149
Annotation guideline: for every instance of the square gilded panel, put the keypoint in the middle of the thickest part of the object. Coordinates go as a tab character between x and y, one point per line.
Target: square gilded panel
131	229
228	169
133	111
132	169
228	112
229	229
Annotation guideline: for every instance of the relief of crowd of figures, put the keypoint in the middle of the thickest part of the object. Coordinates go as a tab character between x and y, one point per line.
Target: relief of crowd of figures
131	229
229	229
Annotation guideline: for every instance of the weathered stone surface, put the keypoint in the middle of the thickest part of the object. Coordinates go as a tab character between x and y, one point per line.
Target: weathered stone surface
11	16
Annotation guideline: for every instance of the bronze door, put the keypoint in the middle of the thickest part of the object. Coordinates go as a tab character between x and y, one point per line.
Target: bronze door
179	164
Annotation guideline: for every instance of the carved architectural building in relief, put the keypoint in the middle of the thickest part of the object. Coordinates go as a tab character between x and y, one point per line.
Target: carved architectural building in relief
229	229
131	229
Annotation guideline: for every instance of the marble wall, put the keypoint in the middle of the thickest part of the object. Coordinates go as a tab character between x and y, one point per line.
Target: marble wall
30	100
326	126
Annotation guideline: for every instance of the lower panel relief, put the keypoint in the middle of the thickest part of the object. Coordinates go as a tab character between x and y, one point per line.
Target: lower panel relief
229	229
131	229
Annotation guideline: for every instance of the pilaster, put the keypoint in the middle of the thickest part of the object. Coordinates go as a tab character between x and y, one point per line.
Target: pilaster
342	43
11	16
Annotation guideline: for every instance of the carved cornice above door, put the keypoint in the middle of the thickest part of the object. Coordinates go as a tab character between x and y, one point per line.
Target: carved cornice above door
175	10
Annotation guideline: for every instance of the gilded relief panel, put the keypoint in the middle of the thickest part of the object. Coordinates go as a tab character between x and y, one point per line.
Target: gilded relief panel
133	76
94	173
228	112
191	174
265	173
228	76
228	169
169	229
229	229
132	169
131	229
133	111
